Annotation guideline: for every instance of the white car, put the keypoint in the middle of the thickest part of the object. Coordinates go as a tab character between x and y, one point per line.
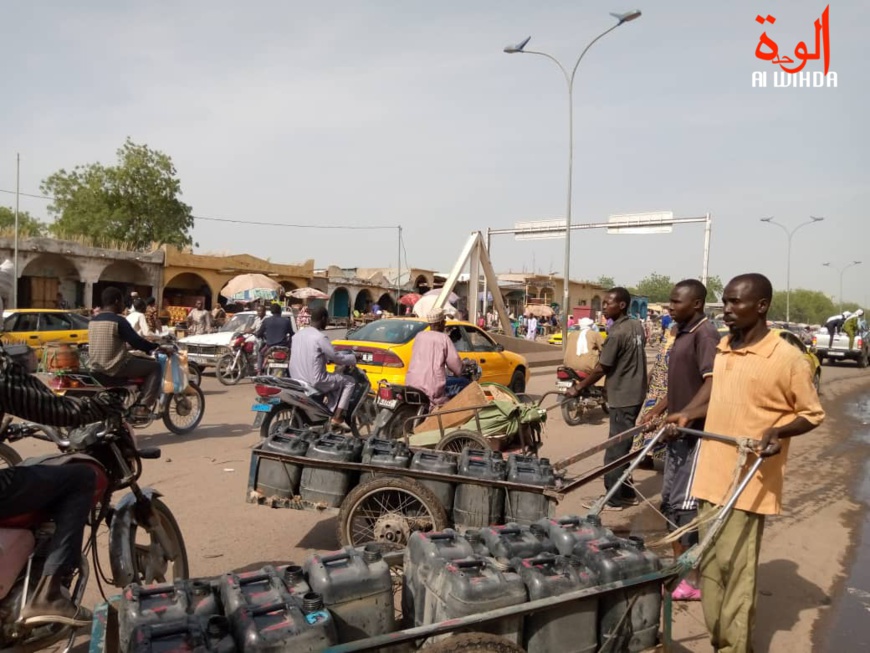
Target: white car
205	349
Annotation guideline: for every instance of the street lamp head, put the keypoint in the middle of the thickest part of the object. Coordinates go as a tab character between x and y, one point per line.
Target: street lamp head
827	265
627	17
513	49
815	219
767	219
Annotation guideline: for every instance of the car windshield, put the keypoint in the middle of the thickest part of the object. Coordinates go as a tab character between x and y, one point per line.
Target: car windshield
238	323
393	332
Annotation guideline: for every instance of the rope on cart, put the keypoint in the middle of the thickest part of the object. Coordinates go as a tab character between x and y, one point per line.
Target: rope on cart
745	446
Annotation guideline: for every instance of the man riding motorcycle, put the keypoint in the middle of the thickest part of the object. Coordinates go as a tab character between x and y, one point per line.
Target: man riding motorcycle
275	331
433	350
312	350
63	492
108	336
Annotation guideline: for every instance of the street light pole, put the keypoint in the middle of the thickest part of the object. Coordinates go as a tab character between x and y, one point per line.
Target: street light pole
569	79
790	233
841	270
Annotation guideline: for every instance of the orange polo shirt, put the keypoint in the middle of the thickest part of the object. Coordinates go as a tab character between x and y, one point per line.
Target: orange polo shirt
755	388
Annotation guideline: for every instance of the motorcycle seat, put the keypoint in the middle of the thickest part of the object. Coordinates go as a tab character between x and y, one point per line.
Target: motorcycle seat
297	385
110	381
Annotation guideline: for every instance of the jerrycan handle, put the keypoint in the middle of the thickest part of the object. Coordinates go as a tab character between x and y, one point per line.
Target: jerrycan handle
156	590
335	557
569	521
470	564
612	544
256	578
543	561
442	536
267	608
525	469
510	530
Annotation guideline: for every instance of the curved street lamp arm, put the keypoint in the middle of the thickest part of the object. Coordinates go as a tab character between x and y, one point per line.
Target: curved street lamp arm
586	49
554	60
802	224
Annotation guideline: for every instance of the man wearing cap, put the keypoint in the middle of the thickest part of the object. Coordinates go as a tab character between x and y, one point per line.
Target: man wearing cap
433	350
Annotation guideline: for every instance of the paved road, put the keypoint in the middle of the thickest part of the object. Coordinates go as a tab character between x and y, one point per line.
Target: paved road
203	478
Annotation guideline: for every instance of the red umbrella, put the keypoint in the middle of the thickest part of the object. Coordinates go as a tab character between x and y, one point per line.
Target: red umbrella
410	299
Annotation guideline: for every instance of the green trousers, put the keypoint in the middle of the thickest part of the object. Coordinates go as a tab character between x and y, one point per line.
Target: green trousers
850	328
729	579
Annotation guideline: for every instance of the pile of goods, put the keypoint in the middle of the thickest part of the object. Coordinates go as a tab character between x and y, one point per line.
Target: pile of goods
347	595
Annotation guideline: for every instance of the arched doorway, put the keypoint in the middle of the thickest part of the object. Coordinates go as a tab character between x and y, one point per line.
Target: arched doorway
185	288
339	303
421	284
363	302
46	276
386	303
126	276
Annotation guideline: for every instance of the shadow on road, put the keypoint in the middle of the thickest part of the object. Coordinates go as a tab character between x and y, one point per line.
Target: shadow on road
782	595
322	537
212	431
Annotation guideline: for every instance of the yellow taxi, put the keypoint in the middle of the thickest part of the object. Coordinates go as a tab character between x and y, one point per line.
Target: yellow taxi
38	326
556	338
385	347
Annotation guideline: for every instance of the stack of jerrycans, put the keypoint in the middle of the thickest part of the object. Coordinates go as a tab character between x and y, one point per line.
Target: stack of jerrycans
273	478
613	559
274	610
425	553
357	589
185	615
528	507
475	506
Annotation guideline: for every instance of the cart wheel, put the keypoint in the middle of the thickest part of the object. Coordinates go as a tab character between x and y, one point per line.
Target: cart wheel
460	439
475	643
387	510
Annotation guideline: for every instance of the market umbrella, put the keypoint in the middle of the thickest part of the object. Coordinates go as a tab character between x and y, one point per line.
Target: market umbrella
427	302
248	287
307	293
410	299
452	297
539	310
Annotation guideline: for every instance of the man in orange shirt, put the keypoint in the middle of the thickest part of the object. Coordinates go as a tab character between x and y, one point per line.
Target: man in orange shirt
761	389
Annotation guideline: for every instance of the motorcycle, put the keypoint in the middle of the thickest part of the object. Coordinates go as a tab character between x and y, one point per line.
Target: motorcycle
398	404
194	370
575	410
285	403
276	362
240	361
181	410
145	543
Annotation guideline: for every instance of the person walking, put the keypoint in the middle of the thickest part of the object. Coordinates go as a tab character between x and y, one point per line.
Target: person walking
761	389
198	320
531	327
689	367
623	365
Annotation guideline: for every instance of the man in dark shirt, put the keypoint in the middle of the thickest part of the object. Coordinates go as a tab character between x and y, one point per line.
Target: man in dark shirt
623	364
63	492
275	331
690	367
108	336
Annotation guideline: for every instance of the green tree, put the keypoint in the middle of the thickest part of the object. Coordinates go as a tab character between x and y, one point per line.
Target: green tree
606	282
807	306
714	288
134	202
27	224
655	287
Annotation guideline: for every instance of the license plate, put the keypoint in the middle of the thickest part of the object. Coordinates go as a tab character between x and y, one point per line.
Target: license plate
564	384
366	358
259	419
836	354
387	403
263	408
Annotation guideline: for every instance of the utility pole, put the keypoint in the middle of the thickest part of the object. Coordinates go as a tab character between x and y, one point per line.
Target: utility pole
15	255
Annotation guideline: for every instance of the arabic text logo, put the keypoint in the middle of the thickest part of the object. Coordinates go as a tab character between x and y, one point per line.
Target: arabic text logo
792	73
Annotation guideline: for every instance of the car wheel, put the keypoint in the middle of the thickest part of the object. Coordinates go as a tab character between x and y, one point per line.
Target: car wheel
518	381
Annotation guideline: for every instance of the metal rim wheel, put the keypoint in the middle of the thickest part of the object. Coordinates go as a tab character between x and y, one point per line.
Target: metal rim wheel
8	456
194	373
184	410
227	372
458	440
387	510
475	643
282	418
150	564
573	412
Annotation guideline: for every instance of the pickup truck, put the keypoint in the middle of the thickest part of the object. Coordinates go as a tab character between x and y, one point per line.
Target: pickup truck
839	349
205	349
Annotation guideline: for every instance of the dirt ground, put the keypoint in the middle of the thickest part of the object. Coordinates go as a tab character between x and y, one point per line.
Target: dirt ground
203	478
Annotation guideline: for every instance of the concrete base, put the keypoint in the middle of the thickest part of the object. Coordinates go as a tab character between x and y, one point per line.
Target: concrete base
538	354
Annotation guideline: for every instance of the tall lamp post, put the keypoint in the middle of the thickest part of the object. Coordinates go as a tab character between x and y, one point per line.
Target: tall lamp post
790	233
569	79
841	270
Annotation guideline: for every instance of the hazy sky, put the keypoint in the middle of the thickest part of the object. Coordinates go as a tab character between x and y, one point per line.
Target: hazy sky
408	112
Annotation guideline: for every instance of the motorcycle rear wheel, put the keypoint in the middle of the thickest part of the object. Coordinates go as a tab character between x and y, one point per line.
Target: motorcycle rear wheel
227	372
184	411
284	416
8	456
162	570
573	412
